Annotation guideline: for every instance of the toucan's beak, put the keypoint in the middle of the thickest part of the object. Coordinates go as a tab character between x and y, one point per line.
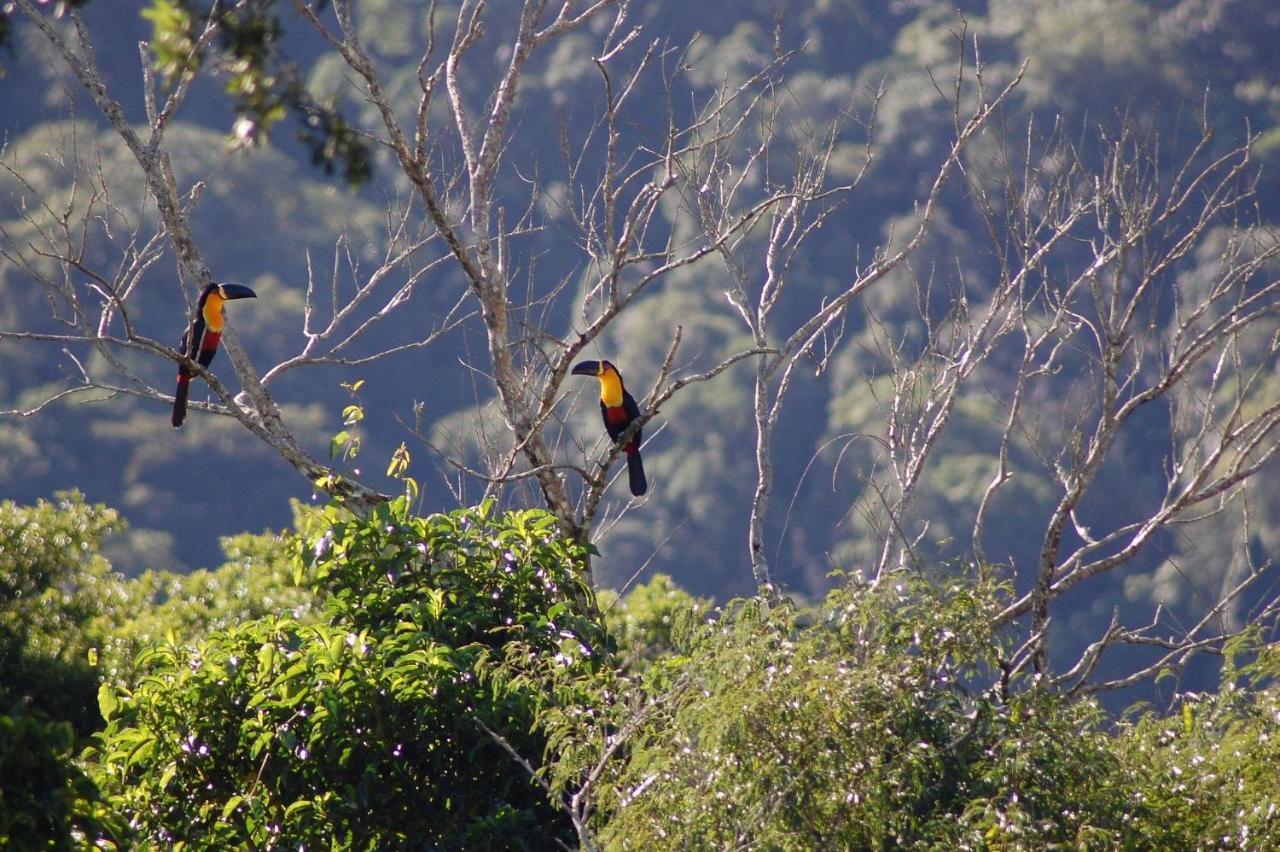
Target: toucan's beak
236	291
586	368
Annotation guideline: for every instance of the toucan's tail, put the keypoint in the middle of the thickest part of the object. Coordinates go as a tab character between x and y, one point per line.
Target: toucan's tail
180	401
635	473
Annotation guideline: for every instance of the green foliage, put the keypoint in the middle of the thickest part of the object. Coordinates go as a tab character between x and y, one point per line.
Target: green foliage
66	620
860	730
257	579
52	582
330	140
369	730
46	801
345	445
646	622
174	38
453	647
1209	769
264	86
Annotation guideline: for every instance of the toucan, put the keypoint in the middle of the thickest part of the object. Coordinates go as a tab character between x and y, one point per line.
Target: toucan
618	408
200	341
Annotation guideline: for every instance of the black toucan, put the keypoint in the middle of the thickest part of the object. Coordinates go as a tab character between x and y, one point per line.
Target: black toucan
200	341
618	408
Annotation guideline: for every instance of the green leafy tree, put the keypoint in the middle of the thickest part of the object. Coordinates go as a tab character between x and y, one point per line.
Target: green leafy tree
47	801
861	725
52	583
1206	771
378	728
647	621
259	578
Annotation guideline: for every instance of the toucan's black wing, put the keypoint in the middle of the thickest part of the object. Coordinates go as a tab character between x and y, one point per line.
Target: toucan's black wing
189	346
635	467
633	412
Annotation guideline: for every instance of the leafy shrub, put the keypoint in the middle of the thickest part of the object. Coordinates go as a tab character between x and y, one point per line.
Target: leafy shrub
392	682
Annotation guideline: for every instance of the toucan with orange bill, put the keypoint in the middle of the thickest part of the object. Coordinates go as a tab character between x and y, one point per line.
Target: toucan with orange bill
619	409
200	341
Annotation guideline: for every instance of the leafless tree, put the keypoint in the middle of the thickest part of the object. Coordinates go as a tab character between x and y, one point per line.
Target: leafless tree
1122	286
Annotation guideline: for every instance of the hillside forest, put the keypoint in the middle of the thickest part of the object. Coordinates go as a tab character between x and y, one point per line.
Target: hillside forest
948	334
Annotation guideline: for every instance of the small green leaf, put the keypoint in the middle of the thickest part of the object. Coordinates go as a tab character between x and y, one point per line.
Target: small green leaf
229	808
262	741
140	751
298	807
399	461
266	659
339	441
107	702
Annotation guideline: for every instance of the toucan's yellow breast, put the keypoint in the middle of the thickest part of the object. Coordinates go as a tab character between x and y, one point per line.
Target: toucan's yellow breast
213	312
610	388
